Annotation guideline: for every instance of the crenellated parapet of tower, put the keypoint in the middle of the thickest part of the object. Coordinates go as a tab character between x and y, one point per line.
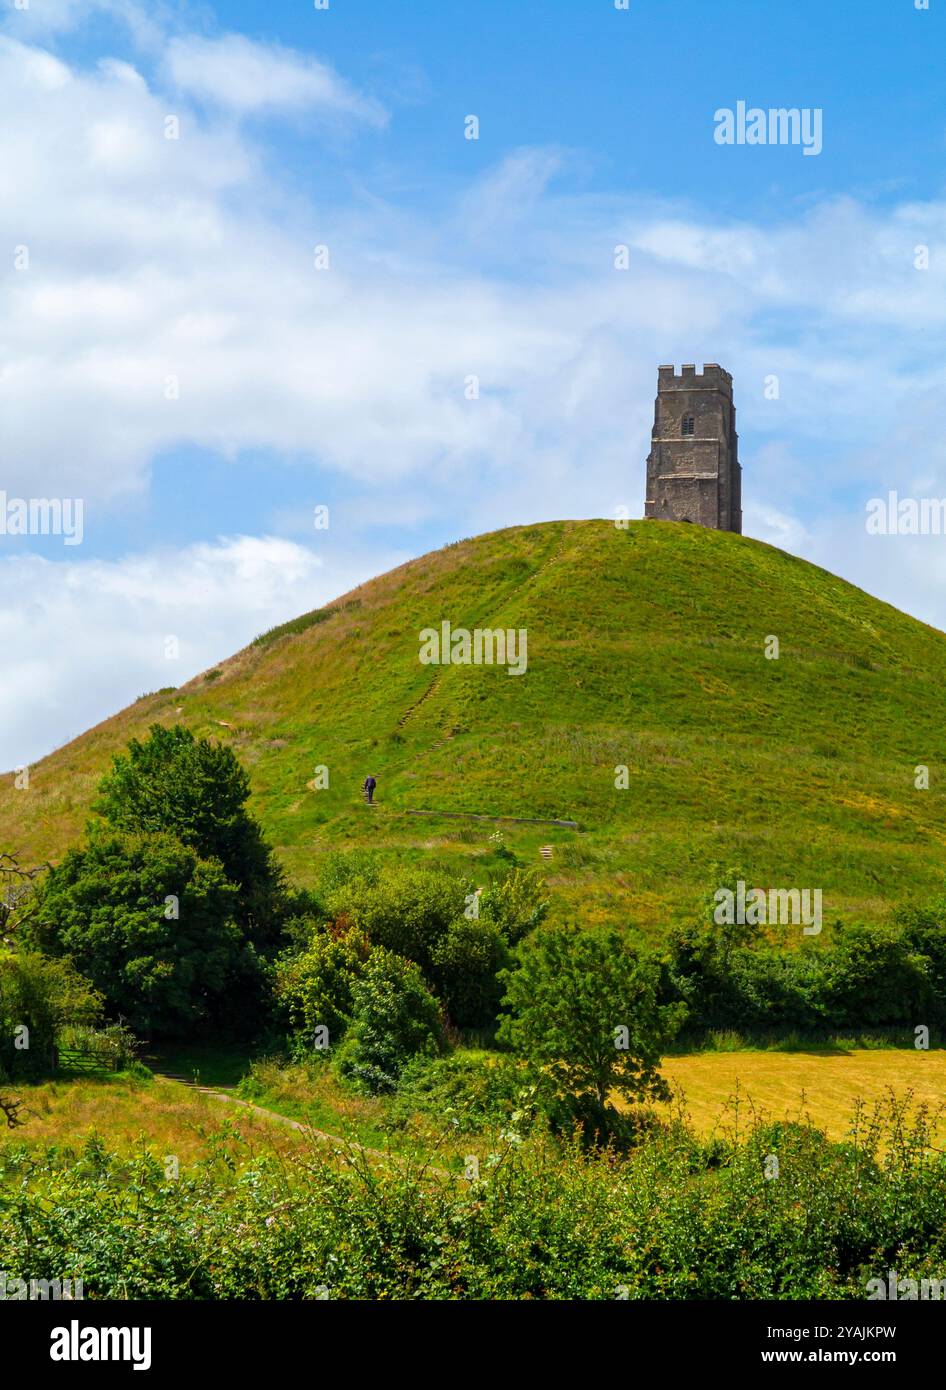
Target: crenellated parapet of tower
713	377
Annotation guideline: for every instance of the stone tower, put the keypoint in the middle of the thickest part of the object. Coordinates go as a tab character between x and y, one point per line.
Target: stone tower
693	471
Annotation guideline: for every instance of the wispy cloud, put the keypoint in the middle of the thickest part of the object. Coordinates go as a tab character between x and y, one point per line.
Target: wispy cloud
251	78
44	19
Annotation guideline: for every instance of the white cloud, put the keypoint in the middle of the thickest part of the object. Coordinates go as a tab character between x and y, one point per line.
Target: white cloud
507	194
253	78
185	259
91	636
152	258
43	19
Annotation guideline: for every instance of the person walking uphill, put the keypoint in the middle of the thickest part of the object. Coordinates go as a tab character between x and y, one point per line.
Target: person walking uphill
370	785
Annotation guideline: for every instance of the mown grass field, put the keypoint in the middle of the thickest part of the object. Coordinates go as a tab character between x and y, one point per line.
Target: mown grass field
645	650
720	1090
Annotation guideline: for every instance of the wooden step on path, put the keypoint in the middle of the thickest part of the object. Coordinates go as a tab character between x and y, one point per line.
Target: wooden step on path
408	714
447	738
518	820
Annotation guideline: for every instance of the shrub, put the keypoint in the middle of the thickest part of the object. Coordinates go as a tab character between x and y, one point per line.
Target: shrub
924	932
470	1090
316	986
869	976
43	995
114	1047
406	910
395	1018
465	971
675	1219
516	904
873	977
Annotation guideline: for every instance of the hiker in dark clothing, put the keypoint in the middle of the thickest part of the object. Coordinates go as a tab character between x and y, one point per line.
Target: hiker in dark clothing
370	785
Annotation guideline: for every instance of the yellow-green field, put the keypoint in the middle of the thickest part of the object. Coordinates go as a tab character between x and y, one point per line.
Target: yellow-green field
794	1085
718	1090
129	1115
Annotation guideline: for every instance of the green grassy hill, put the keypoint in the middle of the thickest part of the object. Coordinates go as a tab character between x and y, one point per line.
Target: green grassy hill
646	649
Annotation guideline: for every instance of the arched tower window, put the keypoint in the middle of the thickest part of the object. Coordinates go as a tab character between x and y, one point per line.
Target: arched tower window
687	425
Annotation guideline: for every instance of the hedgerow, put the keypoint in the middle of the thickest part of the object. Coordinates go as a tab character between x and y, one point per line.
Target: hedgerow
780	1212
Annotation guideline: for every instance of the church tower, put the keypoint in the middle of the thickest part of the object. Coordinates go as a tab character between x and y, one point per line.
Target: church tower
693	471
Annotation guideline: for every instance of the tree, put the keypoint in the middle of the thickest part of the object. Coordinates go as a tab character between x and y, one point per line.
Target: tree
16	887
395	1018
583	1010
196	790
152	925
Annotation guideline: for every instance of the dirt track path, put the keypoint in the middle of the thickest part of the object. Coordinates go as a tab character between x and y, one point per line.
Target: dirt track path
321	1135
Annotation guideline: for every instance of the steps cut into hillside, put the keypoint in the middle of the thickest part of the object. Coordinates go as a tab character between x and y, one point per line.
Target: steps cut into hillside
648	713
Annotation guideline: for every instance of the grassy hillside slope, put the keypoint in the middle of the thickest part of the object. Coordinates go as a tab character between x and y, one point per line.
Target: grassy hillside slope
646	648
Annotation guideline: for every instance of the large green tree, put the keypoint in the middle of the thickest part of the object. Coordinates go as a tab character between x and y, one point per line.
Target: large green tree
152	925
583	1009
196	790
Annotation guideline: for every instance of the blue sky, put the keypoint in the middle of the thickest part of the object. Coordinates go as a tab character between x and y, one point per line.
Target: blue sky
632	90
190	261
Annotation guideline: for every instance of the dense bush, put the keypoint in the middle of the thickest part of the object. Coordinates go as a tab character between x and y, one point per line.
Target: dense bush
425	915
406	910
409	910
315	985
872	976
516	904
746	987
395	1018
924	932
465	970
880	976
470	1091
677	1219
41	996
